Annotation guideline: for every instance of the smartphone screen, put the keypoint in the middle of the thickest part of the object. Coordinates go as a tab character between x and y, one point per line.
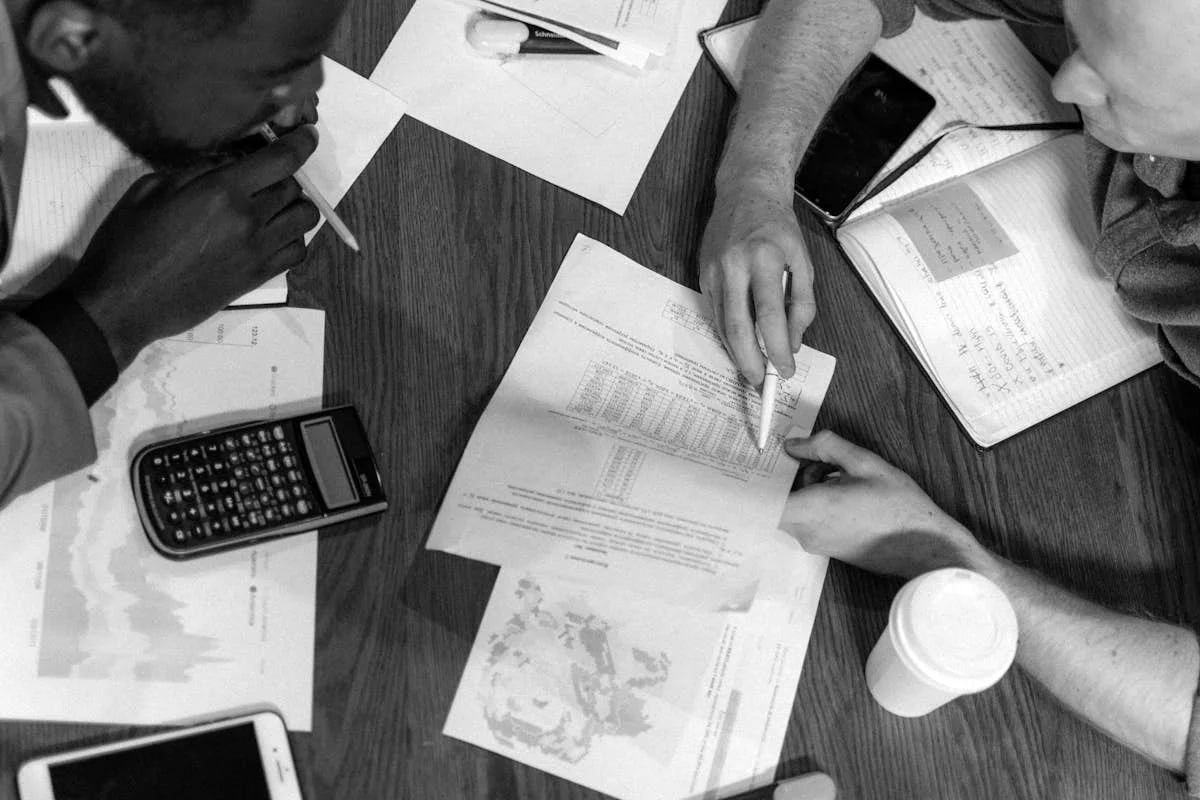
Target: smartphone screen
223	763
876	112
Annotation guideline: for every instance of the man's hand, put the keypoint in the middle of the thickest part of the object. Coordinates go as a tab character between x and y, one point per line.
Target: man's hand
751	238
179	247
858	508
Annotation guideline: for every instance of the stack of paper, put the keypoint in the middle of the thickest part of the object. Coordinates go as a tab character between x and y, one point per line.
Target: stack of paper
646	635
76	171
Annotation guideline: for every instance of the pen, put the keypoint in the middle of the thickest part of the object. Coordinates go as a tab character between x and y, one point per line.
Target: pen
501	38
769	389
812	786
318	199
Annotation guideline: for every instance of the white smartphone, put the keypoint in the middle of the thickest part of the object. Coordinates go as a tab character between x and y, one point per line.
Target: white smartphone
242	758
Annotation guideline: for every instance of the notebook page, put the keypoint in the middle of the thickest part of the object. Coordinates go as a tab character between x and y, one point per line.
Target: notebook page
991	279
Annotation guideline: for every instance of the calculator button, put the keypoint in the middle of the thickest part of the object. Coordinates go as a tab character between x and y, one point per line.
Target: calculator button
277	480
158	461
281	495
193	513
217	526
186	493
212	449
263	435
298	491
230	503
266	499
240	473
272	465
289	461
256	519
180	475
257	469
194	453
234	458
271	515
174	517
302	507
268	451
201	471
229	443
283	447
277	432
294	476
217	466
170	496
175	458
235	523
179	535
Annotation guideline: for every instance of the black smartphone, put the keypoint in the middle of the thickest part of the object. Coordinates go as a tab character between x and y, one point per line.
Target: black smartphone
245	483
875	113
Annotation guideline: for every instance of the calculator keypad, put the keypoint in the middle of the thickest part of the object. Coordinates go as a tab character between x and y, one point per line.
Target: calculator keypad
228	485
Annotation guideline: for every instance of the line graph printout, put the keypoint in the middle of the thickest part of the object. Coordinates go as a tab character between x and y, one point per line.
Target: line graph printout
620	445
100	628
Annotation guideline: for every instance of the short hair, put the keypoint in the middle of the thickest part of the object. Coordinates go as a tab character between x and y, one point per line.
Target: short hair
198	19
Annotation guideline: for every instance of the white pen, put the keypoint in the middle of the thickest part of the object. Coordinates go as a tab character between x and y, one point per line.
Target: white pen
314	194
770	388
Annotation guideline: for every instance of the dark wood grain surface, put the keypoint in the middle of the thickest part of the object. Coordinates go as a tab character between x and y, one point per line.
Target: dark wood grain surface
460	250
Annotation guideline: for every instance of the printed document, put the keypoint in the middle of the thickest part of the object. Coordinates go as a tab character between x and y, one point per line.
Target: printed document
620	446
76	171
615	691
98	627
583	123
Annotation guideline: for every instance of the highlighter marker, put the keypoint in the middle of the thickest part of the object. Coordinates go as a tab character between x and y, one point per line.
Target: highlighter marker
496	37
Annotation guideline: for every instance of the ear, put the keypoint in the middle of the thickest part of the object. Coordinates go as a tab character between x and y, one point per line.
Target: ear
65	36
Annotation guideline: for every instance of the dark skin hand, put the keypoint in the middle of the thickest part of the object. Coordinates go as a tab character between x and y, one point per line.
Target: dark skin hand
180	246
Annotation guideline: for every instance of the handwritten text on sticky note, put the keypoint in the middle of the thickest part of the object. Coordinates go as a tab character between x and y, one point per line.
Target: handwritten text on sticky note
953	230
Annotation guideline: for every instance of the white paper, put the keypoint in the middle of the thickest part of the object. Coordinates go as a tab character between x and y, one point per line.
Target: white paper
76	171
633	698
98	626
620	445
583	123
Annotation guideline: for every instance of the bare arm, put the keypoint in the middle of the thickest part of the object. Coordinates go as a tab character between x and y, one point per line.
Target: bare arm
800	54
1132	678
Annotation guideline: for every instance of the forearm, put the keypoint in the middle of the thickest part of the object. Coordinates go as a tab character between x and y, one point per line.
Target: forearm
799	56
1132	678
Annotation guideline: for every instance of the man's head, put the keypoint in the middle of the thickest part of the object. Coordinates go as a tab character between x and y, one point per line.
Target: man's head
177	78
1135	73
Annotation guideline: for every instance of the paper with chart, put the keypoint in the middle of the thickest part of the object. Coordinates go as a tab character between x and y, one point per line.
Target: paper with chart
633	698
620	446
979	73
76	171
100	628
586	124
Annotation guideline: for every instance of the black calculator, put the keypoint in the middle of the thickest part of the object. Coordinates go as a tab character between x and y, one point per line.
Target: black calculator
246	483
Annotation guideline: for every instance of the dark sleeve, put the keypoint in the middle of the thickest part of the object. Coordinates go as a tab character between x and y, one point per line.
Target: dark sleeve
69	328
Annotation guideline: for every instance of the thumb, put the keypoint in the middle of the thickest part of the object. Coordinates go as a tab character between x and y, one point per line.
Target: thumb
829	448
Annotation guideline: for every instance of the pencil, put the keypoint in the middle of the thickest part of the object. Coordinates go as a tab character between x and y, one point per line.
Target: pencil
318	199
770	389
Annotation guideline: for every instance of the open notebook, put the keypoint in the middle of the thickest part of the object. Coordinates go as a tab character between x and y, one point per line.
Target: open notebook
980	254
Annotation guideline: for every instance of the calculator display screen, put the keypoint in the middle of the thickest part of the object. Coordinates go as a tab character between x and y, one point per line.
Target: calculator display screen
329	467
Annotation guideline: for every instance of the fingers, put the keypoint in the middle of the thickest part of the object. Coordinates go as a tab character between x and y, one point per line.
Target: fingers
740	333
768	268
829	448
292	222
273	199
291	255
278	160
802	308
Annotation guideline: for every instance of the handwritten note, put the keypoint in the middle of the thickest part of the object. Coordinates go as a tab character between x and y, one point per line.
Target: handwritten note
953	230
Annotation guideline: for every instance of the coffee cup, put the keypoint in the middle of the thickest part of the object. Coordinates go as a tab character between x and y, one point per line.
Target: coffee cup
950	632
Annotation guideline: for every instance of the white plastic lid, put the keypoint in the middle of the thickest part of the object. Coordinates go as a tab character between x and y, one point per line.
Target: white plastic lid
955	629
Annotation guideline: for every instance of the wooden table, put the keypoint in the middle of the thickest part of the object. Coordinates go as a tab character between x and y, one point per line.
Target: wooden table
461	249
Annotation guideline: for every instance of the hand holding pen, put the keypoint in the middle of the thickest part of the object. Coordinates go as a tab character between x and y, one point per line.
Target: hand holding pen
318	199
770	387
